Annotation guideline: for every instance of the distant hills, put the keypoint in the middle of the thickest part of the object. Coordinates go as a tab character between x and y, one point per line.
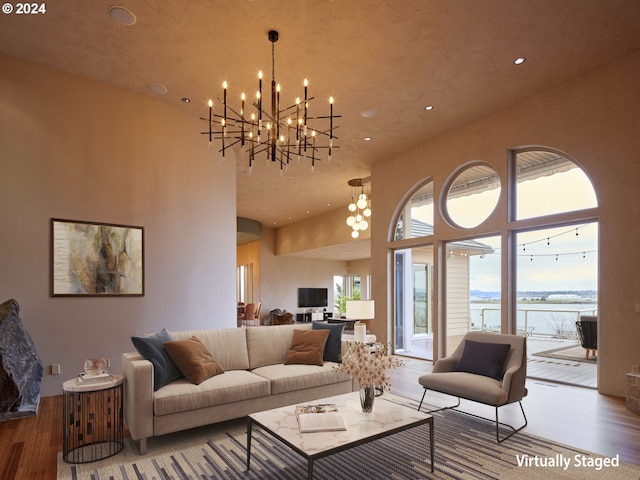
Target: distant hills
555	295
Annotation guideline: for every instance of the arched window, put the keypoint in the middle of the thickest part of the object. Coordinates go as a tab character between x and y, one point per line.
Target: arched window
416	218
491	274
548	182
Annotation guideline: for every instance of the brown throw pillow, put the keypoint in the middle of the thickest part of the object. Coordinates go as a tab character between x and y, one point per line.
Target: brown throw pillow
307	347
193	359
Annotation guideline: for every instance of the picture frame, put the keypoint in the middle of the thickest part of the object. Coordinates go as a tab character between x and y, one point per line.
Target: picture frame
95	259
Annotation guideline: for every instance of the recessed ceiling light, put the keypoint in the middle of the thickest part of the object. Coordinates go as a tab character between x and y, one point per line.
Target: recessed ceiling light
186	100
369	112
157	89
122	15
519	60
428	108
367	139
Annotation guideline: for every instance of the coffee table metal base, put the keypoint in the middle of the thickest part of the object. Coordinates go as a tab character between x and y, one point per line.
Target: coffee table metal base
294	440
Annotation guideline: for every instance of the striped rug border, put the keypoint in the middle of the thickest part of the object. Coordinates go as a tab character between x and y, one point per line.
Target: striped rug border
465	449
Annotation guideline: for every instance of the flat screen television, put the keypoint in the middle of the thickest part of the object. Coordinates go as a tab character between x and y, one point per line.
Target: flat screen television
313	297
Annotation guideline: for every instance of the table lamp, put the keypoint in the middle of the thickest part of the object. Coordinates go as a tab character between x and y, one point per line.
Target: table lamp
360	310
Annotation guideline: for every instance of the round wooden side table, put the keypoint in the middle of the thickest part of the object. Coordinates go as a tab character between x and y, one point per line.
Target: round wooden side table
92	416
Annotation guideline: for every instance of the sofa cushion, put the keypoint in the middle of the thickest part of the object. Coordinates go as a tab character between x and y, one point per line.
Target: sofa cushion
193	359
307	347
270	345
333	347
288	378
483	358
233	386
151	347
227	345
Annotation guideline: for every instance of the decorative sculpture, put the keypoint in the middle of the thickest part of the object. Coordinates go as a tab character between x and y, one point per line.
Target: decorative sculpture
20	367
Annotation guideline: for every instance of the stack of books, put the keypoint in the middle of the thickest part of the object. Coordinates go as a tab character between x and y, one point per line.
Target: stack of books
94	378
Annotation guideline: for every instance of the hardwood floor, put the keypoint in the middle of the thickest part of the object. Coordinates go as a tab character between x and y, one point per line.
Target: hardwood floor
29	446
575	416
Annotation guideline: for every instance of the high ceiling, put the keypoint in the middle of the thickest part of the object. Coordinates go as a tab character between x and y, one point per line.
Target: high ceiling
392	56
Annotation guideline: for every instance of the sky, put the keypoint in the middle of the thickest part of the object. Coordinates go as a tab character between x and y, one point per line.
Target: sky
551	259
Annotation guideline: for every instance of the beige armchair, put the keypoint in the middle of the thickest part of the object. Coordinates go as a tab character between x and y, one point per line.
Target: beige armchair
487	368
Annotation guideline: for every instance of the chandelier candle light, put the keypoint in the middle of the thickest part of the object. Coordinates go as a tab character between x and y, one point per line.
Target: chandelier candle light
273	132
359	208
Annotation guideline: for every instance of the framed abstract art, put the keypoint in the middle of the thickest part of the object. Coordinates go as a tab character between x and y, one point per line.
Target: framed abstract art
96	259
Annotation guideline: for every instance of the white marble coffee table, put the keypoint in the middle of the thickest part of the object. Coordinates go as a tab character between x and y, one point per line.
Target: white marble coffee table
387	418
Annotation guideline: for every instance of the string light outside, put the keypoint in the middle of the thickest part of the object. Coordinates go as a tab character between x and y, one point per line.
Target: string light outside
547	239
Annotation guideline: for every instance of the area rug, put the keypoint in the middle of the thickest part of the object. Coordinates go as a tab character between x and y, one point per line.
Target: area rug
574	353
465	449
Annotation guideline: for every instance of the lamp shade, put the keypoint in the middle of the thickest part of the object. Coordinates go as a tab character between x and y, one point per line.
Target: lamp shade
360	309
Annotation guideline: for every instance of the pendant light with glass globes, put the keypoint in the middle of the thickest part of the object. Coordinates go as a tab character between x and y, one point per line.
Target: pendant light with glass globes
359	208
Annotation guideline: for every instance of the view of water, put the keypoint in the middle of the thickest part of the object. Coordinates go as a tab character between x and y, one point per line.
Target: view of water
541	318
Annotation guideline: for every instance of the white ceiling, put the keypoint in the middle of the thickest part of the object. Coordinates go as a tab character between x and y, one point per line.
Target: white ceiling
389	55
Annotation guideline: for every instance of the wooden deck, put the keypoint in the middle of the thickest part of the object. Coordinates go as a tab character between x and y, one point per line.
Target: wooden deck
555	370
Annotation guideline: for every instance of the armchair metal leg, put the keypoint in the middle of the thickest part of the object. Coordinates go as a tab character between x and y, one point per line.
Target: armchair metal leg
515	430
498	423
437	409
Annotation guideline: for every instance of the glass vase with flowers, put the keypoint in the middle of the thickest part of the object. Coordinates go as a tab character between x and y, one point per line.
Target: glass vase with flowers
369	365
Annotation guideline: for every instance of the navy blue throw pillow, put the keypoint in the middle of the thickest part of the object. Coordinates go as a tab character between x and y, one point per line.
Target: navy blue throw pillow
333	347
152	348
483	358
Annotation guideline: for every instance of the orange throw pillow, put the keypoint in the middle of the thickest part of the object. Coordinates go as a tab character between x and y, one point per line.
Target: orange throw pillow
307	347
193	359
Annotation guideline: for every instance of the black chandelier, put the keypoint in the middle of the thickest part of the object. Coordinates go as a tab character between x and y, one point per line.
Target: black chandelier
281	134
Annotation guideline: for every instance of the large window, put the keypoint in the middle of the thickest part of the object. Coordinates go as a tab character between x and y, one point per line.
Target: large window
539	246
473	291
345	287
557	278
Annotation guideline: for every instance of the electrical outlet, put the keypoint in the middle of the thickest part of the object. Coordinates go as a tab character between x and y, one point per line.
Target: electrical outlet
108	363
55	369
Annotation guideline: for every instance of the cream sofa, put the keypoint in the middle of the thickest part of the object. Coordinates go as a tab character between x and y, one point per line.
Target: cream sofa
255	379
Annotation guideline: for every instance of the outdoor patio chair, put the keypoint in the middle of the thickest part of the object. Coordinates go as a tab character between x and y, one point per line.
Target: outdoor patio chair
487	368
588	332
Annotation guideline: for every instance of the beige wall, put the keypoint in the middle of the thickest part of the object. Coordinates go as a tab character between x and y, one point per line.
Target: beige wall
282	275
76	149
317	232
595	120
